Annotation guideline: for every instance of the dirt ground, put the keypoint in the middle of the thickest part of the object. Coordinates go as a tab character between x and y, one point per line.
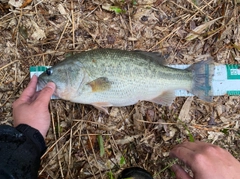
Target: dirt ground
85	143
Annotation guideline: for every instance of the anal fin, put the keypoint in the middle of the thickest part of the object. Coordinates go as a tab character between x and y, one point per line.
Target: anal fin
166	98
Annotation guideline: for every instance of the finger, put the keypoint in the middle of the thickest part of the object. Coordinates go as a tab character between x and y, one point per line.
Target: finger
30	90
194	146
184	152
46	93
34	97
180	173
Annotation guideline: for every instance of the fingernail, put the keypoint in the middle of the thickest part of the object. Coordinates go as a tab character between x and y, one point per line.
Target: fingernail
51	85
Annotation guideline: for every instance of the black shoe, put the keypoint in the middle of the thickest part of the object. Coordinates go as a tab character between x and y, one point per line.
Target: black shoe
135	173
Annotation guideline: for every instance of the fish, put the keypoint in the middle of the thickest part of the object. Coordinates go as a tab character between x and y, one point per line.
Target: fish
114	77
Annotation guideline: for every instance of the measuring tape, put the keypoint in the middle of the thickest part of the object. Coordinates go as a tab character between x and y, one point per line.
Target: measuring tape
226	79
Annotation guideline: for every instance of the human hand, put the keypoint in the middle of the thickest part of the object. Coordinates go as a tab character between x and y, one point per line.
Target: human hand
207	161
32	107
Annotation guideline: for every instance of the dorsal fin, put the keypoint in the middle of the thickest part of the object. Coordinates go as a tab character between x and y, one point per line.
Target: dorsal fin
155	56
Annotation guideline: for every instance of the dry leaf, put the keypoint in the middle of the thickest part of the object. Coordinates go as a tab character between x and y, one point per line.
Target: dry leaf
39	33
236	46
107	7
25	3
200	29
132	39
184	113
114	112
16	3
92	139
137	117
63	11
214	135
237	125
238	59
170	134
126	139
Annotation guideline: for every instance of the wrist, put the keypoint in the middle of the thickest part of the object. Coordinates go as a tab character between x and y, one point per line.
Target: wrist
34	135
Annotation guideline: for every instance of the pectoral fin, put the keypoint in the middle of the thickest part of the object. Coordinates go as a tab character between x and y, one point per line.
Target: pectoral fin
166	98
100	84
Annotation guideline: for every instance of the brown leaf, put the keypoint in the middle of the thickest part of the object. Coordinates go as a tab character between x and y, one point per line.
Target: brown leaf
25	3
200	29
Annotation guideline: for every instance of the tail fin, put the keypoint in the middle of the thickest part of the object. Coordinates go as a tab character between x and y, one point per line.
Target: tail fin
202	79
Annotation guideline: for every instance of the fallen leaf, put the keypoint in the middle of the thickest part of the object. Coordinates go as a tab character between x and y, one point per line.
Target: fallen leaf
25	3
39	33
214	135
132	39
16	3
63	11
170	134
137	117
126	139
92	139
236	46
184	113
199	30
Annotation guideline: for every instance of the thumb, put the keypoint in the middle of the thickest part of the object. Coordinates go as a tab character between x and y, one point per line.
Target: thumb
46	93
180	173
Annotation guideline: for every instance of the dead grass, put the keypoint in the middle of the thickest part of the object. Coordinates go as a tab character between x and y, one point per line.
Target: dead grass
44	32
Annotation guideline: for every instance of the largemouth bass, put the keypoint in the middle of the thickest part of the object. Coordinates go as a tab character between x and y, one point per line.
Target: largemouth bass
111	77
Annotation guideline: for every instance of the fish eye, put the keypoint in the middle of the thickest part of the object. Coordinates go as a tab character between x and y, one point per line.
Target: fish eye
49	71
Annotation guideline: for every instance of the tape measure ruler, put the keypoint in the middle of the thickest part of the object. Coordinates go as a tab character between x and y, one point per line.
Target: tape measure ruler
226	79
